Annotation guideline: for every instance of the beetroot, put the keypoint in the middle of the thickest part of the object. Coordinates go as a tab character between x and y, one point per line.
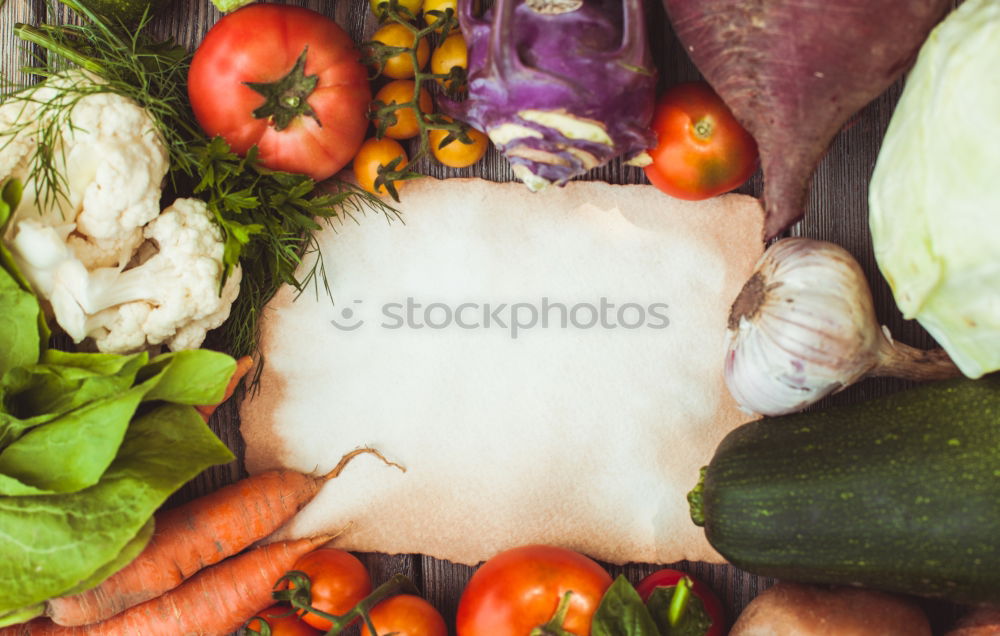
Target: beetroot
793	71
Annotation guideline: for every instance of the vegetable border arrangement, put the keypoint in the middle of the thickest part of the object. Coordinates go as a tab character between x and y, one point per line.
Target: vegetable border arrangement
148	198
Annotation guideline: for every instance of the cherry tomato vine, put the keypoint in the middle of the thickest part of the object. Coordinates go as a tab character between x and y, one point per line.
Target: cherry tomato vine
453	83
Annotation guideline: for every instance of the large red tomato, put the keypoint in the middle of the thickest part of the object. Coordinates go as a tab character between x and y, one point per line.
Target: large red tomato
701	150
286	79
521	589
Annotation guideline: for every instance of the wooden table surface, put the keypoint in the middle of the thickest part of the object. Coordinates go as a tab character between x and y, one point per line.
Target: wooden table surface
837	211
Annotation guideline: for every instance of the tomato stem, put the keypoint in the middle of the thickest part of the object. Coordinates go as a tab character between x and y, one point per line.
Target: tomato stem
300	597
703	128
286	99
679	601
554	627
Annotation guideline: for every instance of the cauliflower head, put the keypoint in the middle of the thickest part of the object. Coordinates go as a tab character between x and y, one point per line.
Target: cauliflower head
113	268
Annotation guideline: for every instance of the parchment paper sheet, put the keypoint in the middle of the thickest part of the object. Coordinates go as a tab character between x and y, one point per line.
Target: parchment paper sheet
585	437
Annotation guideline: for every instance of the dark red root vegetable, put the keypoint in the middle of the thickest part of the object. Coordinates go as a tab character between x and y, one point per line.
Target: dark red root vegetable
793	71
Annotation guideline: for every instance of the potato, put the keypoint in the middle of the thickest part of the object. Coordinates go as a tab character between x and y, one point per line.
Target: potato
984	621
790	609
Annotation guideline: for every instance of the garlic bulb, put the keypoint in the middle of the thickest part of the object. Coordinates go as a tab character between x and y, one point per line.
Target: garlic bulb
804	326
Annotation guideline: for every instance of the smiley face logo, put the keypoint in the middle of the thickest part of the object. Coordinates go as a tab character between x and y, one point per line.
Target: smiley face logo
347	314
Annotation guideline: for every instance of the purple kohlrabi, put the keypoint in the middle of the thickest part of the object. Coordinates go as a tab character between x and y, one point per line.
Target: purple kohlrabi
560	86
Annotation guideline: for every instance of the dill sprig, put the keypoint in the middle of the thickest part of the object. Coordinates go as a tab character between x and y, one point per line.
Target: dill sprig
269	218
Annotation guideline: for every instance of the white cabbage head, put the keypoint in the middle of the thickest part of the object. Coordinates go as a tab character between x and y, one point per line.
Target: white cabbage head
935	193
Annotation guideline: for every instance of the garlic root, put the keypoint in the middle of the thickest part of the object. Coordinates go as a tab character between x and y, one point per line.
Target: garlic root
898	360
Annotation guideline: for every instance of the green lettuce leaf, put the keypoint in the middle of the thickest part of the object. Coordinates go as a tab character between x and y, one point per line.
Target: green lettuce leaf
10	197
64	381
71	452
94	399
21	615
197	376
52	543
19	339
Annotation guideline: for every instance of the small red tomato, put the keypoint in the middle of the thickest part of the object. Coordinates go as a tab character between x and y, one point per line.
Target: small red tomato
521	589
286	79
406	615
281	621
701	150
339	580
709	601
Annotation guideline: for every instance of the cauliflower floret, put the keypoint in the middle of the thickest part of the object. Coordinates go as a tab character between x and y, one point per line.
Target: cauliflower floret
112	161
173	298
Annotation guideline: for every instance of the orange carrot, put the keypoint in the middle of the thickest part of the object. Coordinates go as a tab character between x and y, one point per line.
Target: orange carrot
218	600
195	535
243	366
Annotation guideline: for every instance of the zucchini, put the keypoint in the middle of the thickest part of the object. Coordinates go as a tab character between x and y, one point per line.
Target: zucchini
901	493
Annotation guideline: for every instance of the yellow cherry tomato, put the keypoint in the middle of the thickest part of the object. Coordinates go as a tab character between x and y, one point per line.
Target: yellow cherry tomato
401	66
373	154
456	154
452	52
378	6
401	92
438	5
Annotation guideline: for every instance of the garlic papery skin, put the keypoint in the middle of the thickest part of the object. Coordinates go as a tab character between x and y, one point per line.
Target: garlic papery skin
804	326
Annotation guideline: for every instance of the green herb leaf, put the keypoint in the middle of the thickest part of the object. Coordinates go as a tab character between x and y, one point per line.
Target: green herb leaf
41	536
693	621
622	613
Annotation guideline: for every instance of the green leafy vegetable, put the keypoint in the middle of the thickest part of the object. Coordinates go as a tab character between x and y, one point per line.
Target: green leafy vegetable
19	339
80	473
622	613
51	543
71	453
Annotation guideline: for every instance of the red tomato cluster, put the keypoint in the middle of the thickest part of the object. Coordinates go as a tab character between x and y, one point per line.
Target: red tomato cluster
338	582
525	590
